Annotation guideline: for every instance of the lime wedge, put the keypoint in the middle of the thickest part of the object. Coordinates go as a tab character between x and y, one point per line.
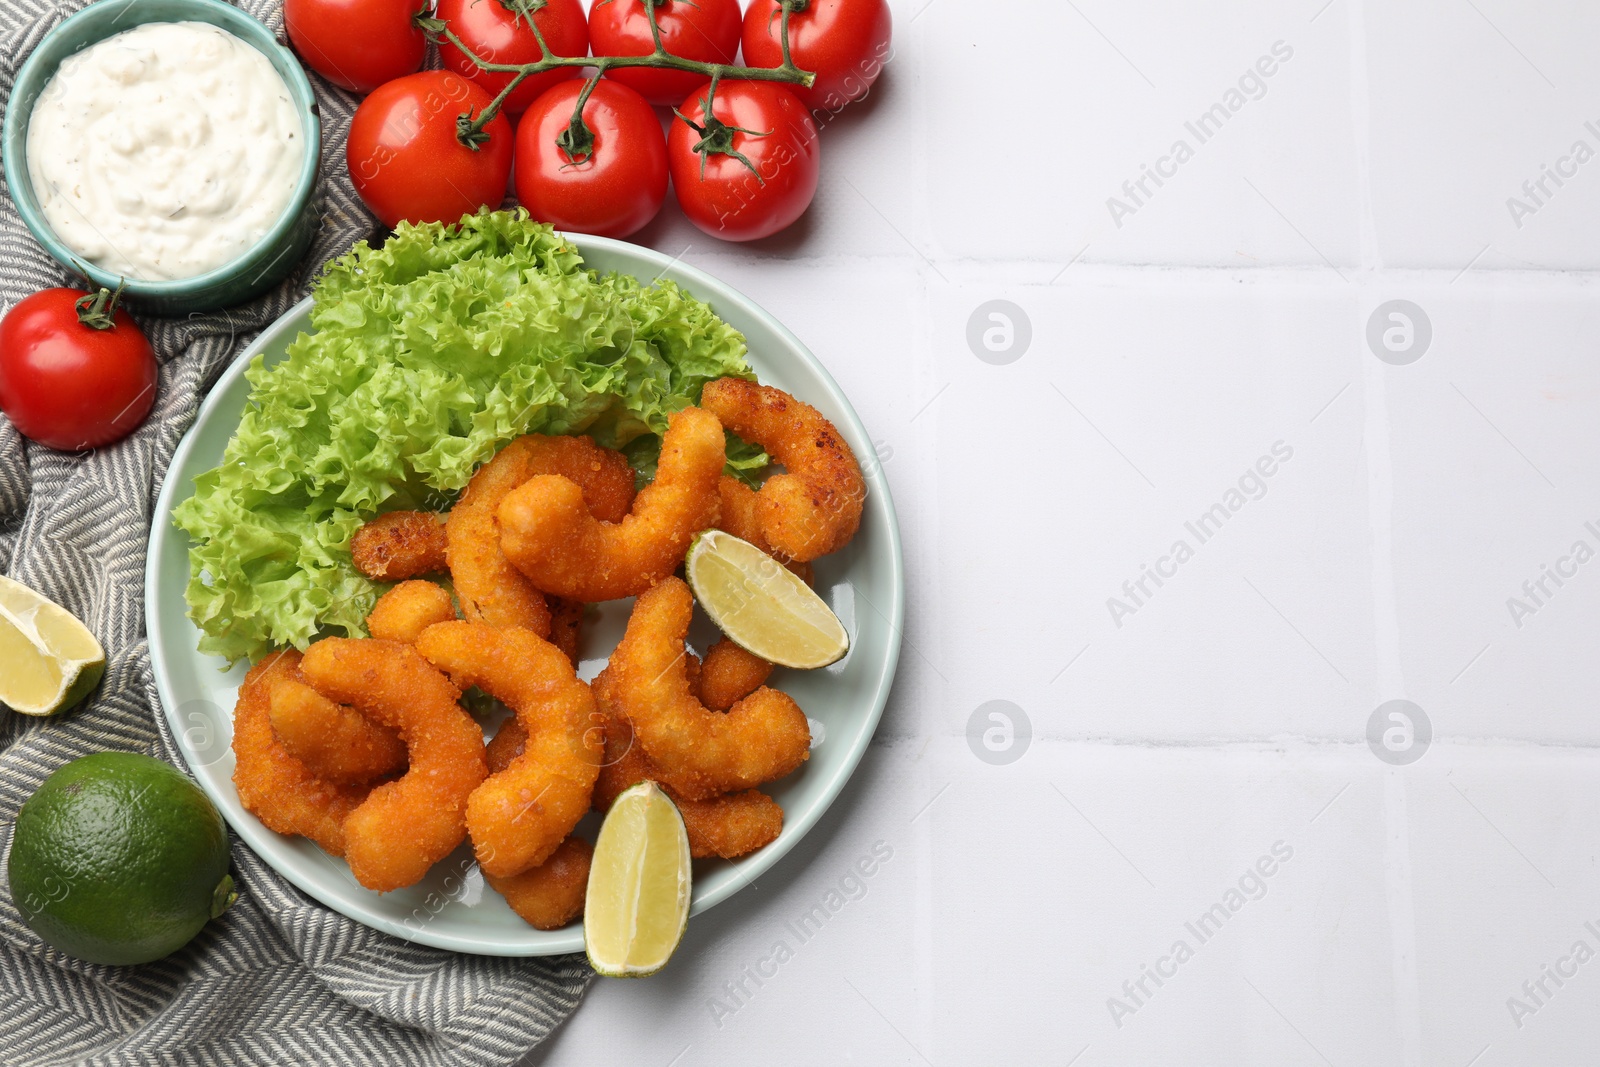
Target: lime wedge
637	904
48	660
761	605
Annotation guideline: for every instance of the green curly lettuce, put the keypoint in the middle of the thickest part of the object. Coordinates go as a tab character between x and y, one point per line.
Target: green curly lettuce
429	353
746	462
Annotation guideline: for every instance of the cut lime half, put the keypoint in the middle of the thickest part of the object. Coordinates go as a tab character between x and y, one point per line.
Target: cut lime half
48	660
761	605
637	904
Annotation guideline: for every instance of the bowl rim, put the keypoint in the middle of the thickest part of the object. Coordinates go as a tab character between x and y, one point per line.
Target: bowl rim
32	75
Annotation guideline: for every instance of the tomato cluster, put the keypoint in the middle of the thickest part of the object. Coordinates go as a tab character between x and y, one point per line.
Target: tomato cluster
590	155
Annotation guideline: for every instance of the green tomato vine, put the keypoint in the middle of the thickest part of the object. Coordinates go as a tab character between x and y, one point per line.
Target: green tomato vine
577	140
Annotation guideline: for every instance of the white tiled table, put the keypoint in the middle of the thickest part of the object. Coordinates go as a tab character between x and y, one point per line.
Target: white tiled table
1177	745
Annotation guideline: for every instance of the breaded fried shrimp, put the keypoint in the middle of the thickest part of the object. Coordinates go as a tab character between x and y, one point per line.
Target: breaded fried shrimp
729	674
566	626
732	825
520	815
405	826
699	752
728	826
274	786
549	896
336	743
605	475
491	590
506	745
400	545
552	537
815	507
741	516
691	670
740	513
408	609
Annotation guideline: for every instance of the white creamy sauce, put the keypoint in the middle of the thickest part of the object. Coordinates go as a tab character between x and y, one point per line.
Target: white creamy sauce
165	151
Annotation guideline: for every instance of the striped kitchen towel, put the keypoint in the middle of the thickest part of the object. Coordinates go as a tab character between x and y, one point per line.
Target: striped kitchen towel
279	979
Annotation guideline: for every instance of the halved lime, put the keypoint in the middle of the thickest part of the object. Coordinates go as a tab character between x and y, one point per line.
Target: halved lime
637	904
48	660
761	605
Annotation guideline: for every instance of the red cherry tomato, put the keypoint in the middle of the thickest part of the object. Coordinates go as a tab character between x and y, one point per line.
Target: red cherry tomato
68	385
406	161
845	43
611	190
707	30
356	44
729	199
495	31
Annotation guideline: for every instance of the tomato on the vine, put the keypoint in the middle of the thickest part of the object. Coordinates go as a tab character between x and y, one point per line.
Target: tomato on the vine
606	177
407	161
498	31
356	44
76	371
750	168
845	43
706	30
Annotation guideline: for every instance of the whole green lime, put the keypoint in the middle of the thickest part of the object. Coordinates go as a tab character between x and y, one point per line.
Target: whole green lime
117	858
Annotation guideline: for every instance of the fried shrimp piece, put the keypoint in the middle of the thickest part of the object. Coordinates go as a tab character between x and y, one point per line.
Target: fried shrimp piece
405	826
549	896
400	545
699	752
728	826
506	745
691	669
522	814
741	516
408	609
274	786
492	591
732	825
566	626
729	674
548	533
815	507
336	743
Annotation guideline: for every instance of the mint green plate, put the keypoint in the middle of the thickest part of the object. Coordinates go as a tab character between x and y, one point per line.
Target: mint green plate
451	908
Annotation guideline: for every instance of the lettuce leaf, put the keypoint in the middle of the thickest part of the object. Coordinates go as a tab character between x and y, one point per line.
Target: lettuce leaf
746	462
430	353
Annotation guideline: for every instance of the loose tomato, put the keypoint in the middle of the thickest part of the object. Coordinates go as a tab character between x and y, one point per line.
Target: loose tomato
752	168
498	31
845	43
607	177
73	379
406	160
357	44
707	30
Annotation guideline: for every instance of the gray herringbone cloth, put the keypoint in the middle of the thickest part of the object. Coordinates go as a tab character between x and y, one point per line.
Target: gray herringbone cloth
279	979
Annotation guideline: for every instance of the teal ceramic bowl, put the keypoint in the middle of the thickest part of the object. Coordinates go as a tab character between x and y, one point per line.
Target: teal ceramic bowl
258	270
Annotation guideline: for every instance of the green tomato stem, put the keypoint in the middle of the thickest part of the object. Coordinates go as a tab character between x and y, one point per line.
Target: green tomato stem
577	140
98	311
469	127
